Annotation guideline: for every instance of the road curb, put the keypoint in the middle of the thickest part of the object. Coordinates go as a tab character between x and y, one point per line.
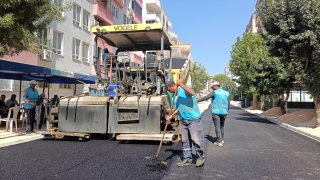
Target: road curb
290	127
284	125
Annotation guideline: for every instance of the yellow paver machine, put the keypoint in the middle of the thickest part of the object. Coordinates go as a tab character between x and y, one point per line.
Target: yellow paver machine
129	100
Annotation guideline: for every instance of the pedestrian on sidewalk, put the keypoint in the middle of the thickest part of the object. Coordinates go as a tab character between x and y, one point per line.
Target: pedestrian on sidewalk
30	96
220	104
191	125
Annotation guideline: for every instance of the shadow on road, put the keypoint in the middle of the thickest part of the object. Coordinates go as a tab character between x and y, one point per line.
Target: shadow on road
174	153
251	118
210	138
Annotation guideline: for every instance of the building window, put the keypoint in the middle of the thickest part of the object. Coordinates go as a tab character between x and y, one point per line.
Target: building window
75	49
86	20
44	38
65	86
136	7
59	3
114	11
57	42
150	21
76	14
125	19
40	84
85	52
6	85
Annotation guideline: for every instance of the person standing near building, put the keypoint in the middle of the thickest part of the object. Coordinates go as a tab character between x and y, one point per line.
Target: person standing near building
191	125
220	104
30	97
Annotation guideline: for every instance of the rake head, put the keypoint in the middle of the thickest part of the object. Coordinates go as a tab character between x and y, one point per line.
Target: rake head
157	159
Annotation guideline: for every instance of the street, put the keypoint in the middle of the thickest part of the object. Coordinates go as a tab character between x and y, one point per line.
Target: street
254	149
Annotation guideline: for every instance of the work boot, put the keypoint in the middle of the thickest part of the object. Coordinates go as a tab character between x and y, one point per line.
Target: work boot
184	162
219	143
200	162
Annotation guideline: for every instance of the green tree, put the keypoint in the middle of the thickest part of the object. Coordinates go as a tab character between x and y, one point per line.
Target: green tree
259	72
199	77
226	84
293	34
21	23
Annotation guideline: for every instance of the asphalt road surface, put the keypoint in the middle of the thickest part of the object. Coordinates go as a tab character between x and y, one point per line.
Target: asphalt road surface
254	149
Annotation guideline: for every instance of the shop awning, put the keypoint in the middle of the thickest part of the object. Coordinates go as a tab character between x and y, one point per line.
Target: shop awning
26	72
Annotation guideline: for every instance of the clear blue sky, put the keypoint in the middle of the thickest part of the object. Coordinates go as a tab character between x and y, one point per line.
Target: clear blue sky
210	26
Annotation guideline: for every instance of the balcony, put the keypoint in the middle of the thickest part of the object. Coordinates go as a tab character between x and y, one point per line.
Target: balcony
135	58
153	16
137	17
101	12
120	3
169	24
140	2
155	5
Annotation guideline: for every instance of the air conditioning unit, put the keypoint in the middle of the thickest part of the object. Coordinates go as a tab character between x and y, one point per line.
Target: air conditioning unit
94	22
47	55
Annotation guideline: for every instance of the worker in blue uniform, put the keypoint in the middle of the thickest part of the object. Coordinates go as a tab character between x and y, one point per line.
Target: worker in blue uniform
190	118
220	104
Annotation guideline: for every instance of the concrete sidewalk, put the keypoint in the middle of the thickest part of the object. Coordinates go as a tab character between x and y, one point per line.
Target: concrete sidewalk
8	139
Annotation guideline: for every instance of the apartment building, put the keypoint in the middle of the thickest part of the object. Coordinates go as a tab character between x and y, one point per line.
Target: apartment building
69	49
70	43
255	23
154	13
111	12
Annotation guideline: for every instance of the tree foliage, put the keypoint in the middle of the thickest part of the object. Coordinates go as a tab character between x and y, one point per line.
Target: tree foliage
199	76
293	33
259	72
226	84
21	22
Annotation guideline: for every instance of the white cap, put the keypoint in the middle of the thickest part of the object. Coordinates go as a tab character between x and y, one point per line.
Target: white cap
33	82
216	83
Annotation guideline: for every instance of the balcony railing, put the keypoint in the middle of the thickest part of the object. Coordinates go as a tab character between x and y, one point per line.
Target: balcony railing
140	2
120	3
137	17
102	12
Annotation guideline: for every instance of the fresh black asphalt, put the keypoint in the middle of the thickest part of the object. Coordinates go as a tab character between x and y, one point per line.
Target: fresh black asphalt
254	149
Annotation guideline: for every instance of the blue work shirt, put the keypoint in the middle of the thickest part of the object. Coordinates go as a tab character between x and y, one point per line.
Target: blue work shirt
187	106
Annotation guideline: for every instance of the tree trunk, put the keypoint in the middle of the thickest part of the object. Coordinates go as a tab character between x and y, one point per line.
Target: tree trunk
284	102
262	102
317	107
284	106
255	102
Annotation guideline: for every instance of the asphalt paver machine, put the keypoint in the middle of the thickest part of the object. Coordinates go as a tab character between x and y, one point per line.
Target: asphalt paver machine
129	100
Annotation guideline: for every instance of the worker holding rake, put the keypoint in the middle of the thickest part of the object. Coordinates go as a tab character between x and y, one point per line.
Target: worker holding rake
191	125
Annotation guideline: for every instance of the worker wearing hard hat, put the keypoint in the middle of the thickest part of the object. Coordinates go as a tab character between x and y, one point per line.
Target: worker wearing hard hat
190	118
219	108
30	97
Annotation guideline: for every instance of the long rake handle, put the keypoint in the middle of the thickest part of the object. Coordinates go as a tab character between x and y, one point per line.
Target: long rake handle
165	128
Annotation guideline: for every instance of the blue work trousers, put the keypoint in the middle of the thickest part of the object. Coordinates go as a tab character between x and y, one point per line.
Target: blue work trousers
192	133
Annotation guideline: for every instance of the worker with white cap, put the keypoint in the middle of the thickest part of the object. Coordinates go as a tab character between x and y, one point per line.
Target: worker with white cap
220	103
30	97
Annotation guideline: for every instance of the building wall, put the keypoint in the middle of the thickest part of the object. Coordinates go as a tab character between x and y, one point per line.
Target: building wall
63	61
